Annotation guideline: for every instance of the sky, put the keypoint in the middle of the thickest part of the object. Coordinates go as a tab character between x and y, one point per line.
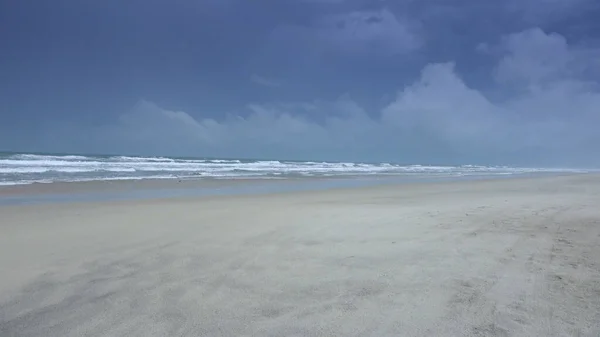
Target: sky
496	82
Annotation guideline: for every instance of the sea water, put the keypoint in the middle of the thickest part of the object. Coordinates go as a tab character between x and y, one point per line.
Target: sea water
27	168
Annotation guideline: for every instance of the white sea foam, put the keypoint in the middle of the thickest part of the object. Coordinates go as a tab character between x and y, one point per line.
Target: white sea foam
26	156
29	168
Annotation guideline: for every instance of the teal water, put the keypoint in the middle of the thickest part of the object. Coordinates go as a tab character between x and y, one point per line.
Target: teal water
27	168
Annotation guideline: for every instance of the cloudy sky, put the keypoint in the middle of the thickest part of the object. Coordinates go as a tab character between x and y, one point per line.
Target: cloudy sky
511	82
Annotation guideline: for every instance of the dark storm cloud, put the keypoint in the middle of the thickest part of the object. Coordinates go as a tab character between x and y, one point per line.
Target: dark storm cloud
413	81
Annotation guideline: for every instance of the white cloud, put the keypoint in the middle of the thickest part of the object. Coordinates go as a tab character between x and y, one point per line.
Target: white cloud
536	57
437	118
441	103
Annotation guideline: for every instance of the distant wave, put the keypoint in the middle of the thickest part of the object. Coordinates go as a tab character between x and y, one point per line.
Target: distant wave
30	168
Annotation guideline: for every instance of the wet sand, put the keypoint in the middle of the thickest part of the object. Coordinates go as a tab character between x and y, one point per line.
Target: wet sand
515	257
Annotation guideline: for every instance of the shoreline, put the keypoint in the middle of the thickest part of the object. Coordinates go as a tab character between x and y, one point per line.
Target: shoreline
121	190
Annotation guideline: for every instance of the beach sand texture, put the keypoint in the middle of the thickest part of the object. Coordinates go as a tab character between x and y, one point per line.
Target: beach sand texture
516	257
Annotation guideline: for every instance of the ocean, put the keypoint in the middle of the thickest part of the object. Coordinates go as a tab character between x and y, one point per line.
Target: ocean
28	168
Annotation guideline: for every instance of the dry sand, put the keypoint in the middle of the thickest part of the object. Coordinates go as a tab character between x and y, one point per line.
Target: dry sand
517	257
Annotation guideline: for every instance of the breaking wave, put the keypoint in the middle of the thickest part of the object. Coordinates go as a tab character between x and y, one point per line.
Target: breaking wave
29	168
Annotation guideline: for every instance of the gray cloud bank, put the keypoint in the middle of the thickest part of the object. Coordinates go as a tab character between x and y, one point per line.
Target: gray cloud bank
541	109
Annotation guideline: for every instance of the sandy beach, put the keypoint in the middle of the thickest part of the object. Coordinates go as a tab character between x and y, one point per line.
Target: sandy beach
512	257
